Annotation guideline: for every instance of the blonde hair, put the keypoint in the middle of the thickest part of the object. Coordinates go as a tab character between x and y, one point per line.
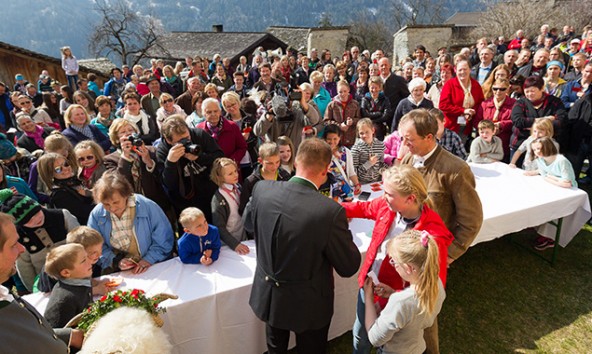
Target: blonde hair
56	141
544	124
85	236
364	122
407	180
285	141
62	257
408	248
165	96
68	114
486	124
189	215
114	129
268	149
218	166
230	97
94	147
315	76
343	83
209	87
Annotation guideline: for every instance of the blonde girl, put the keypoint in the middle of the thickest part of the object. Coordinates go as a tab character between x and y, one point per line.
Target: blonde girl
368	153
90	160
414	255
286	154
542	127
70	66
225	215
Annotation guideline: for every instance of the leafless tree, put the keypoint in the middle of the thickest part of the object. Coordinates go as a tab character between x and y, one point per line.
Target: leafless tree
369	32
417	12
124	32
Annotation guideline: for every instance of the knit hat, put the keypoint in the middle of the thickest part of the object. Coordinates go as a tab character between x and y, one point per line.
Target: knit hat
20	206
18	77
555	63
7	149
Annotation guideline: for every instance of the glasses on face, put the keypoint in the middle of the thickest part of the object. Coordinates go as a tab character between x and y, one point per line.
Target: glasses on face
59	169
499	88
87	158
168	100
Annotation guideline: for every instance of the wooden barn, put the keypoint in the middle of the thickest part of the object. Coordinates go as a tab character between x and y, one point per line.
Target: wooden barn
16	60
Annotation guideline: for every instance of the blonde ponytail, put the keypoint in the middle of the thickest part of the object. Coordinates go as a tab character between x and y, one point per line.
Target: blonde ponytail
419	249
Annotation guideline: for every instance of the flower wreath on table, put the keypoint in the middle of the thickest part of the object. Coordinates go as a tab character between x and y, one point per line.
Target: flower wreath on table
113	300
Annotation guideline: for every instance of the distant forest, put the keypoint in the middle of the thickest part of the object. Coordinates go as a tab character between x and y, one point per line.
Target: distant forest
45	26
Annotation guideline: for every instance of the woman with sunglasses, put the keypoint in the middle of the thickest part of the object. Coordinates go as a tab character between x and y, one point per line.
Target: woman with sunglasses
404	206
498	109
66	190
167	109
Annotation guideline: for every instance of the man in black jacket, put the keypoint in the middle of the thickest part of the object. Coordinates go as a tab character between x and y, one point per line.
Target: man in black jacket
301	237
185	156
395	87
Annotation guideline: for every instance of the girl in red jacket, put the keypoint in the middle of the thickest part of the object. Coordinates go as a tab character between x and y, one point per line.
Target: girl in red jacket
404	206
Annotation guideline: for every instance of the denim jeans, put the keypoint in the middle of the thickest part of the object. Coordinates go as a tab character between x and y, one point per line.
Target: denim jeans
361	342
72	81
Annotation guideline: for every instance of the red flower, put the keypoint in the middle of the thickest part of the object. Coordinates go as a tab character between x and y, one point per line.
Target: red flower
103	298
155	305
116	298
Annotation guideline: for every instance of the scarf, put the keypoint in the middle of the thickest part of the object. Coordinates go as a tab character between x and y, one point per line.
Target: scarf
215	129
37	136
537	104
84	130
170	80
142	117
87	173
468	101
498	106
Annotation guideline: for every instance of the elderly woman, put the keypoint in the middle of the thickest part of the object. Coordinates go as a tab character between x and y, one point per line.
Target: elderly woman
501	71
460	98
446	73
245	122
329	80
167	108
554	84
33	134
499	110
415	100
137	163
79	128
136	231
320	96
404	206
173	80
376	106
225	132
196	116
66	190
536	103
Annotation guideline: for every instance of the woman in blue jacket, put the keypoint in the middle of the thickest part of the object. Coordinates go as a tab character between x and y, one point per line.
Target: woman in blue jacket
136	231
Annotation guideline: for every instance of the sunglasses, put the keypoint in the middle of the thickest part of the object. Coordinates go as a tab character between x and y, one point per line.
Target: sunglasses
26	102
60	168
167	100
88	158
499	88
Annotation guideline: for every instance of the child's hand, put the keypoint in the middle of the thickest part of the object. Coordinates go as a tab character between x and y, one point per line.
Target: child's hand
373	159
207	253
357	189
512	165
383	290
369	289
349	122
206	260
242	249
483	154
100	288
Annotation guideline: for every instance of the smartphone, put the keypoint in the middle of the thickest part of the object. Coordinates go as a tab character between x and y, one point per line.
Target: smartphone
364	196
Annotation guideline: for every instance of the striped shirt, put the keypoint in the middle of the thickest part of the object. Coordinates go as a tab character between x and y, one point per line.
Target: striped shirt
361	152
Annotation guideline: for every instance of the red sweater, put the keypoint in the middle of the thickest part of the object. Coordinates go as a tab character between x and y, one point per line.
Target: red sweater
487	110
451	102
378	210
229	139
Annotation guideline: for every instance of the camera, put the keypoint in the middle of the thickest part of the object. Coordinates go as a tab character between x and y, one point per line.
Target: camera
190	147
295	96
135	140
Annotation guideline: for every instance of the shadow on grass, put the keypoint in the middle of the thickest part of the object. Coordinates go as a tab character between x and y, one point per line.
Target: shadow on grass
501	299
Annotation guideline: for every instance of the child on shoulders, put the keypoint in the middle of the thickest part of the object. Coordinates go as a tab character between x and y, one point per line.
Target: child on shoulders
368	153
486	148
225	204
201	242
72	294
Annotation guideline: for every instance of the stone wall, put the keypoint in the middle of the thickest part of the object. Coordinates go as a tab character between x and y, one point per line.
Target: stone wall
334	39
432	37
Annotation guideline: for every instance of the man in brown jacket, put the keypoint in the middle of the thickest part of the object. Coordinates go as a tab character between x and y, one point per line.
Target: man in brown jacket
451	188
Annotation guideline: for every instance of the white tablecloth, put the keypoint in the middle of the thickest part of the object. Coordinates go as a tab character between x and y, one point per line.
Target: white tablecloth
212	314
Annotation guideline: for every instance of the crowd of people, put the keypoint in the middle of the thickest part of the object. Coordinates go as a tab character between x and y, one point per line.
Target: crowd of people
167	151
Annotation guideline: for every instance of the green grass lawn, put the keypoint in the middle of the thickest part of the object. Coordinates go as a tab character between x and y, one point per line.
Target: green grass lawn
502	299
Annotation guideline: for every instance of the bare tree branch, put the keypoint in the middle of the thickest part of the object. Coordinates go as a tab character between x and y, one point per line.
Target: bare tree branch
124	31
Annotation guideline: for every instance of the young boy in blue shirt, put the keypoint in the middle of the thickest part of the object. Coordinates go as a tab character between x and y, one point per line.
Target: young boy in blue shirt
201	242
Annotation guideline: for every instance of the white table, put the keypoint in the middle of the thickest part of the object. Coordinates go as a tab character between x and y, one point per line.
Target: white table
212	314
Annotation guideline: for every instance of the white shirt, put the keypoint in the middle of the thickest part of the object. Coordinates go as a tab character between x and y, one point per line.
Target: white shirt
418	161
